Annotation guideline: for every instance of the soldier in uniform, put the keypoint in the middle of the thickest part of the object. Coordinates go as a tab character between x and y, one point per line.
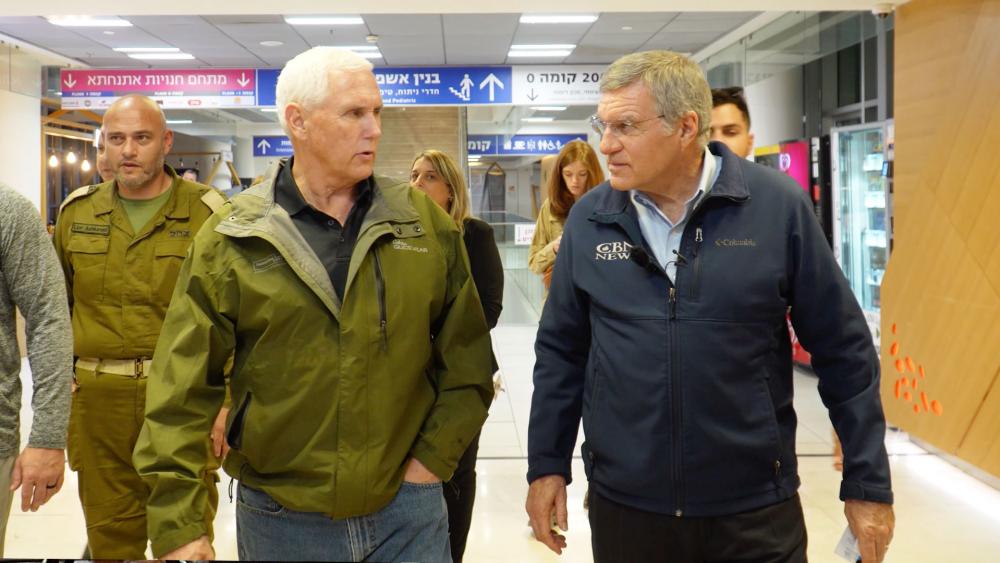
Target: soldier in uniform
121	244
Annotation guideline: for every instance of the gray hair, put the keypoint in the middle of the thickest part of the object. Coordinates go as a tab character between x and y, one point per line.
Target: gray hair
677	83
305	79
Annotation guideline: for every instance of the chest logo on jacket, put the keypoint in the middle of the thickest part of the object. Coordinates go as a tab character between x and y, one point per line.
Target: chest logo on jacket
735	242
613	251
398	244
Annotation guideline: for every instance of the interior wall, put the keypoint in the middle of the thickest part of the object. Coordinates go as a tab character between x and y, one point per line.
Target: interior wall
204	162
776	108
941	291
407	131
20	144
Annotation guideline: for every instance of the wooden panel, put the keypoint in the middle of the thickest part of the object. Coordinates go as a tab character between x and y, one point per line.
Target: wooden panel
407	131
941	291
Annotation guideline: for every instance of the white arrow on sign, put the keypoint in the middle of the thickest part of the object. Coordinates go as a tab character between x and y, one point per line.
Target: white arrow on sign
69	81
263	145
243	81
491	80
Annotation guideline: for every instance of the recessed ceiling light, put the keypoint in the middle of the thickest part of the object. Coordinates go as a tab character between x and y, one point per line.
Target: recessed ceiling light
526	54
626	28
323	20
88	21
271	43
566	18
559	46
178	121
108	32
269	110
537	119
147	49
161	56
549	108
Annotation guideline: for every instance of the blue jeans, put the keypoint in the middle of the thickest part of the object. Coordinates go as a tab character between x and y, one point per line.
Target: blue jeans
413	527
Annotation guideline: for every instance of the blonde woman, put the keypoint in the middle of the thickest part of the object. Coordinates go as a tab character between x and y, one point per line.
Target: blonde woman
576	171
436	174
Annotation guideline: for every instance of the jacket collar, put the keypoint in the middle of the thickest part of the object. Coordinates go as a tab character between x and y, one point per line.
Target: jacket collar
257	202
614	205
175	208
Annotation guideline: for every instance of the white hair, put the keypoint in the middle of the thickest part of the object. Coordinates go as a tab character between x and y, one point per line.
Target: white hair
305	80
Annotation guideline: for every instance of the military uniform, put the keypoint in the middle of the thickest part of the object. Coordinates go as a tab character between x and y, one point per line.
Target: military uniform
120	282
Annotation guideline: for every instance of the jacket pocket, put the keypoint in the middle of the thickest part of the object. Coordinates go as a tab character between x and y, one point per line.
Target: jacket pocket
89	258
167	258
234	435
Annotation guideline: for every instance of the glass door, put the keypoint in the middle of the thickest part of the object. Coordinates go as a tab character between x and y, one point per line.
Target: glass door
859	202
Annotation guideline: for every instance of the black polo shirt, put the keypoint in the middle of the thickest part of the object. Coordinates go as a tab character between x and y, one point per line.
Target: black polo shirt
332	242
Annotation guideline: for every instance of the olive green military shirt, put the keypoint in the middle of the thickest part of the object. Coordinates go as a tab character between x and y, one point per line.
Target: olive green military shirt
120	281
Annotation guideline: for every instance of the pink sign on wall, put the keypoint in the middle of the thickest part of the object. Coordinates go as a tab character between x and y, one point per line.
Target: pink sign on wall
192	88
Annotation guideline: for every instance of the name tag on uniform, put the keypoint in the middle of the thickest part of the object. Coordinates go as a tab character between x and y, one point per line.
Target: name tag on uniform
180	234
88	229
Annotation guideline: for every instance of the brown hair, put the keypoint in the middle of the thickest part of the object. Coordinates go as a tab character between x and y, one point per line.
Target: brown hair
560	198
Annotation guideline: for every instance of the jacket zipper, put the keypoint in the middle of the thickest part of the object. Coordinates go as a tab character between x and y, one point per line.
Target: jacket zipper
380	289
676	404
696	283
234	436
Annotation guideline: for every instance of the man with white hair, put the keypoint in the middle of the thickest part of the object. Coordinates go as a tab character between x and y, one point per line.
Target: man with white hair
674	278
362	358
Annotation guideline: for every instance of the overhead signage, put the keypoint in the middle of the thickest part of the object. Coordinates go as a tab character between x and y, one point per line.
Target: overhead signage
519	145
193	88
399	86
271	145
557	84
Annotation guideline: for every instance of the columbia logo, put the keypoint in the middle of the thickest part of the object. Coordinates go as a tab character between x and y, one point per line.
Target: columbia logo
398	244
730	242
264	264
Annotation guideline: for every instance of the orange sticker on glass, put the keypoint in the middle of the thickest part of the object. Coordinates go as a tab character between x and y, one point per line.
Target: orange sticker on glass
936	408
916	409
914	383
894	349
923	401
897	388
894	328
899	366
921	370
907	396
909	365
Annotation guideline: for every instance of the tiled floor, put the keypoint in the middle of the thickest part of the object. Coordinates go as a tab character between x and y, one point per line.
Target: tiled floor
942	514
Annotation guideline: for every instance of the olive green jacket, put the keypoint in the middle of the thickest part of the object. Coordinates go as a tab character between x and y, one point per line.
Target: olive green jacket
541	254
333	397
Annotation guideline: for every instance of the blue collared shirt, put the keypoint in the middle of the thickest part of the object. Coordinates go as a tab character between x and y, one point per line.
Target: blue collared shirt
662	235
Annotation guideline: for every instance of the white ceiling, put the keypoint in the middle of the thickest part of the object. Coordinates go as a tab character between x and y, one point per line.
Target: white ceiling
403	39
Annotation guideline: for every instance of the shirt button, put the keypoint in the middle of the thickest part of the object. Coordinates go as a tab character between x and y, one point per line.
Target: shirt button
331	223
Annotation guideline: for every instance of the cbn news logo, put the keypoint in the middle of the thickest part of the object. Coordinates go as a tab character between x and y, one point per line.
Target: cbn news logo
613	251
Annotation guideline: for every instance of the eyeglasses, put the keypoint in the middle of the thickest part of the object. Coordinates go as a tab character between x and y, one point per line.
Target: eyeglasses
624	128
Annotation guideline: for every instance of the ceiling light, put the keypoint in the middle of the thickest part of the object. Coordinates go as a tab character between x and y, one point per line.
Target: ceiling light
85	166
161	56
108	32
558	47
71	157
53	161
147	49
566	18
323	20
178	121
269	110
537	119
538	54
549	108
271	43
88	21
626	28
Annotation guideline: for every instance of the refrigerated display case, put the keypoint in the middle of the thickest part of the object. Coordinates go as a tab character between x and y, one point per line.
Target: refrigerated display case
860	211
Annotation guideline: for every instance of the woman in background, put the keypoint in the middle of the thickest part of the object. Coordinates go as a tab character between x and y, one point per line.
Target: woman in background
576	172
436	174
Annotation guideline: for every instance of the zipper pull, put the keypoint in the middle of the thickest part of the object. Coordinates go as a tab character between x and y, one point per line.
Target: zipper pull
673	302
697	235
777	468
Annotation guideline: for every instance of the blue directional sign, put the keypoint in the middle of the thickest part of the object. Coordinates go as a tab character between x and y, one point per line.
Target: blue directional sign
272	145
423	86
267	81
519	145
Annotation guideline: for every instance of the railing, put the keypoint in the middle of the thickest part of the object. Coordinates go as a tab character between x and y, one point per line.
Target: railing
515	256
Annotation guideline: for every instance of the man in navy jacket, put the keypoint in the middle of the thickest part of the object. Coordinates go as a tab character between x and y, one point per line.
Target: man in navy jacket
665	330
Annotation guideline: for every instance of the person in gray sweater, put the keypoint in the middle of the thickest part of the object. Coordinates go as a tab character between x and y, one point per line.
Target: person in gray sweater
32	281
